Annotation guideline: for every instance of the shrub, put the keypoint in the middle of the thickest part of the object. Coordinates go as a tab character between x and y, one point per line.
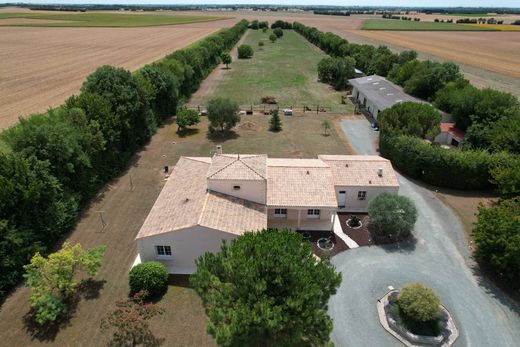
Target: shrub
226	59
278	32
497	238
392	215
419	303
260	43
245	52
273	38
151	277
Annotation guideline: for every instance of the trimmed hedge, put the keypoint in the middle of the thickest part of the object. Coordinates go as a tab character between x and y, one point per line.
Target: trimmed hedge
150	276
468	170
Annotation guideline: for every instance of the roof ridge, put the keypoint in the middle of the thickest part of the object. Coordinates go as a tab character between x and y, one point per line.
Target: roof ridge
222	168
203	208
250	168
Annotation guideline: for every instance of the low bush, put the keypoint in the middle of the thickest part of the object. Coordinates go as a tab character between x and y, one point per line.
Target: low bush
419	309
151	277
245	52
278	32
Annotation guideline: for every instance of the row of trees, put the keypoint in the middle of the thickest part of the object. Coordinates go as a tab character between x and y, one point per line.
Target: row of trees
58	160
369	59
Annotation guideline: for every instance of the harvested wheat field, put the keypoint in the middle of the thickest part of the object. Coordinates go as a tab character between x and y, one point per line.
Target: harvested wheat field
42	67
494	51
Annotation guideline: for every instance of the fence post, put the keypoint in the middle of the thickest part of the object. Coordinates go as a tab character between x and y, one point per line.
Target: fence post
317	109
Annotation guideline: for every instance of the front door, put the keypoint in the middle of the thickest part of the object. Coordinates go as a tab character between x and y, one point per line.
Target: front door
342	198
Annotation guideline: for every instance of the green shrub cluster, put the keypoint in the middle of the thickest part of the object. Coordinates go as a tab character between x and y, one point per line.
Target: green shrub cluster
151	277
55	162
245	52
336	71
282	25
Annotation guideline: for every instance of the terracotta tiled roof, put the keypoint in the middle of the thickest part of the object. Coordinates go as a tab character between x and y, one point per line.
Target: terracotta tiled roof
361	170
238	167
451	129
184	202
300	186
181	200
296	162
232	215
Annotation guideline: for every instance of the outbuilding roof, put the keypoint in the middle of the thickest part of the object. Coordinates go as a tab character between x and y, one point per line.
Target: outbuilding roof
381	92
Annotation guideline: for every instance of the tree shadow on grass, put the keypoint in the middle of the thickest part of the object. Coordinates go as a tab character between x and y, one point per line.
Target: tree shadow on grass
222	136
187	132
88	289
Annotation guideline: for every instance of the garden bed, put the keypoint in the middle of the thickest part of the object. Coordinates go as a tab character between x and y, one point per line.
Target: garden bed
315	235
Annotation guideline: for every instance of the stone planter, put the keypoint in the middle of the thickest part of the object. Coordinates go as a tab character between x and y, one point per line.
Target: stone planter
351	227
447	337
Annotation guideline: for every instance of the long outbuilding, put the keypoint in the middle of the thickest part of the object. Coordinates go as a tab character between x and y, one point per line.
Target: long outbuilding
375	94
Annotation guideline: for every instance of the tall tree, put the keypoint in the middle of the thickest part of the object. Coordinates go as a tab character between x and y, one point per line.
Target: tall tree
275	123
410	118
222	114
52	280
266	288
392	215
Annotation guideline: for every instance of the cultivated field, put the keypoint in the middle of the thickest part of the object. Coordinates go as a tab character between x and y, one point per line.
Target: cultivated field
494	51
273	70
396	24
42	67
97	19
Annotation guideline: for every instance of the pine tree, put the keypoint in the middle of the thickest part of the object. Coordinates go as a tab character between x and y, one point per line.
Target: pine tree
275	122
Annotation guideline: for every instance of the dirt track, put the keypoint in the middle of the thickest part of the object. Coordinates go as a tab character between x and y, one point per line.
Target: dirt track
42	67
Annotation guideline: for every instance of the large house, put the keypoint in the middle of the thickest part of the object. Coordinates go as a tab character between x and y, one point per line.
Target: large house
209	199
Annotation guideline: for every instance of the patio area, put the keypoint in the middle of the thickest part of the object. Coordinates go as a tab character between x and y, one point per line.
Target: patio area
314	235
360	235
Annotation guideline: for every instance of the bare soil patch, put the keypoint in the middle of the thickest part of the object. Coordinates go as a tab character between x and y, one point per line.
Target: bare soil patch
42	67
30	20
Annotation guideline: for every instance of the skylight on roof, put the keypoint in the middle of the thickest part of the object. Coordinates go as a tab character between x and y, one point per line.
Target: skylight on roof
382	88
388	94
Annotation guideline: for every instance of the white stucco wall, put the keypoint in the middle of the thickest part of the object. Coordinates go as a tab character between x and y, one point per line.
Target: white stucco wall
249	190
187	245
352	204
370	106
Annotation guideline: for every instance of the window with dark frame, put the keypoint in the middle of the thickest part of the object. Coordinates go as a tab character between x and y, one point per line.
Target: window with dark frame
313	212
163	251
236	187
362	195
280	212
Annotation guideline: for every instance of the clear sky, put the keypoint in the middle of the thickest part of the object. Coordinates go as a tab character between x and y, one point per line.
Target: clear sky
408	3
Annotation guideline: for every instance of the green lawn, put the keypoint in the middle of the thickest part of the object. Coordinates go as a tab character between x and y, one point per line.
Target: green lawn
286	69
394	24
95	19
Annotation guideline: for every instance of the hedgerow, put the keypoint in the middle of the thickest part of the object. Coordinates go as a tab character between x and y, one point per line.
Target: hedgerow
58	160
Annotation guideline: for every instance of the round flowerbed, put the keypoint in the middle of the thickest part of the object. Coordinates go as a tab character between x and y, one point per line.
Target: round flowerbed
415	316
325	244
354	223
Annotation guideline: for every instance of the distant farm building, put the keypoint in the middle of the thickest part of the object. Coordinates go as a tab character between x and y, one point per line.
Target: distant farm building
450	135
375	94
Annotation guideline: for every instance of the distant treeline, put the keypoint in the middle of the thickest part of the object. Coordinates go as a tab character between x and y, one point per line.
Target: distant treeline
332	13
57	161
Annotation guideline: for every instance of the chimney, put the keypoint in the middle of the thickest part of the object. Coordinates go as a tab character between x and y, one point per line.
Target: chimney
380	172
219	149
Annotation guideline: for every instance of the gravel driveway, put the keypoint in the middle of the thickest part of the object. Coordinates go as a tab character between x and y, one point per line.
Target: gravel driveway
438	257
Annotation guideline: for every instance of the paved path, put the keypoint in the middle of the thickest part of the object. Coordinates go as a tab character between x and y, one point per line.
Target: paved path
439	258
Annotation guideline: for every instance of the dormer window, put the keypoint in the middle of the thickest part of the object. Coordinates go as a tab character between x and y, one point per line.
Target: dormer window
236	187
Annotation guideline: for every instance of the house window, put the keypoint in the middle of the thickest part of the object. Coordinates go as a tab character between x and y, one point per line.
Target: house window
163	251
280	212
236	187
313	213
362	195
